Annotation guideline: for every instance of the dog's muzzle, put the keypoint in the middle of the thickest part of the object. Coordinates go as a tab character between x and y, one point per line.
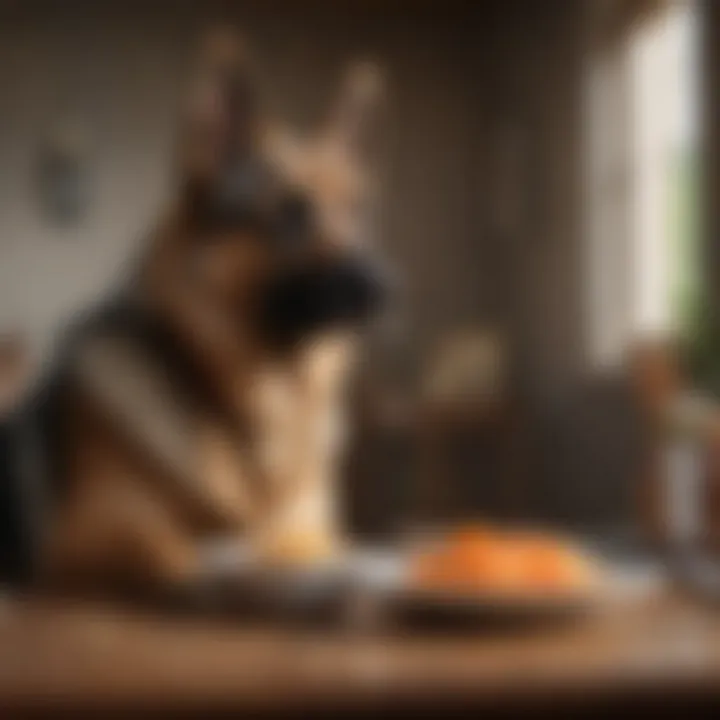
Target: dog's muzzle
303	301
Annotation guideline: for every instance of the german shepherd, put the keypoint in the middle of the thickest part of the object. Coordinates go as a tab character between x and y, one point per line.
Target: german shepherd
206	398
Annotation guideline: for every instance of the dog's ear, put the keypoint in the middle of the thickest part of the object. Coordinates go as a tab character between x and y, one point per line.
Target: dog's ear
353	117
221	121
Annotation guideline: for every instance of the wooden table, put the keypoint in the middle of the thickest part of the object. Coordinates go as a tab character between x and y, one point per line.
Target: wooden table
82	659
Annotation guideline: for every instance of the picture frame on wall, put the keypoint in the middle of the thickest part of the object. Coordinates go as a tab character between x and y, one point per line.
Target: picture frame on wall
62	174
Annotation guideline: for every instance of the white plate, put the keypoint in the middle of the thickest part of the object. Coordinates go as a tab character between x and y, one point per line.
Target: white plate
383	574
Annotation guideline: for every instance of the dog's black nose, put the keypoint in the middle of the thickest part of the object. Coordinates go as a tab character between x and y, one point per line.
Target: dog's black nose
344	292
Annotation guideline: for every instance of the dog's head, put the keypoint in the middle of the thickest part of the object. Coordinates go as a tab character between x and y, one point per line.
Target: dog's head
280	223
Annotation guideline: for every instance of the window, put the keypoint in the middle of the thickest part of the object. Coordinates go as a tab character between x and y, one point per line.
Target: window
642	189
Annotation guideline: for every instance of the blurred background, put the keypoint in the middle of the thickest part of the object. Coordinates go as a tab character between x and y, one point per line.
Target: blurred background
547	183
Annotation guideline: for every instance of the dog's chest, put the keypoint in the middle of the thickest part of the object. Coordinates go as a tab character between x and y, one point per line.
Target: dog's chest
297	410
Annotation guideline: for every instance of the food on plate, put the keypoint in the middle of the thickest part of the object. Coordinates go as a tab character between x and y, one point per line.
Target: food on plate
484	560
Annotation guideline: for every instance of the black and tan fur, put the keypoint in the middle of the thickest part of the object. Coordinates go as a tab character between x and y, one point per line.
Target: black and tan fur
247	303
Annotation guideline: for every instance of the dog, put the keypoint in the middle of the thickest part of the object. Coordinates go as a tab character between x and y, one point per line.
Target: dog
206	399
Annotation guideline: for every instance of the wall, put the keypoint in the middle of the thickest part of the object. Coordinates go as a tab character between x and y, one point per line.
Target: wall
120	76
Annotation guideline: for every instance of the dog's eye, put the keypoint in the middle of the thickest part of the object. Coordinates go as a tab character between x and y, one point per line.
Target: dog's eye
294	221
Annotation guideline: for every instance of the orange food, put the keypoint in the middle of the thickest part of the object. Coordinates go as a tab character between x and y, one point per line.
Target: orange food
561	568
482	560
